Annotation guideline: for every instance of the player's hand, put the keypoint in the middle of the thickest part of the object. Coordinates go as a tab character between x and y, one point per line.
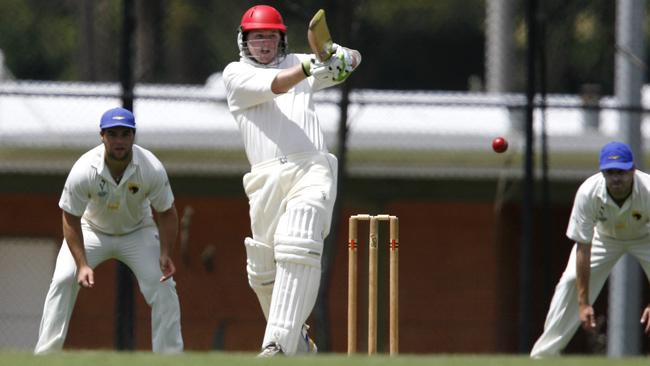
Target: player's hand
588	318
348	57
337	68
166	267
645	319
86	277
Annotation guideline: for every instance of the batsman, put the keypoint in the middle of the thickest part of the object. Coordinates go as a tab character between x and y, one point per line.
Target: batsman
291	185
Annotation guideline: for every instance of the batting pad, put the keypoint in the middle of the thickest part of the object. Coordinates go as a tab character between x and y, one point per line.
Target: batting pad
260	266
294	297
298	248
302	251
299	236
304	222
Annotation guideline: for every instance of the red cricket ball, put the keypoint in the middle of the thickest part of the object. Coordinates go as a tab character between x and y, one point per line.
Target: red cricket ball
499	145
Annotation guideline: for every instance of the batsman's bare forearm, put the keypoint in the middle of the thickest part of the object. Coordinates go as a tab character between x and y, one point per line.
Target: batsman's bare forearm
168	230
74	237
583	262
287	79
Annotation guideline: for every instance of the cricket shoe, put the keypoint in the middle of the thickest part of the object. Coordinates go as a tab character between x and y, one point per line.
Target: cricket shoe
271	350
305	343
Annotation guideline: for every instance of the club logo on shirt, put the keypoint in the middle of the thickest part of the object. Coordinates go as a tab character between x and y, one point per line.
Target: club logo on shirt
103	191
134	187
637	215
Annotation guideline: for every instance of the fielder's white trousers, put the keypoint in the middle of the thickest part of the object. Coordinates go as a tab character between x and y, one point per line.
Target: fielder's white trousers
140	251
563	320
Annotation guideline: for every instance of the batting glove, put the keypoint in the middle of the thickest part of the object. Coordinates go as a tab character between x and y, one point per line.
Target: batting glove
337	68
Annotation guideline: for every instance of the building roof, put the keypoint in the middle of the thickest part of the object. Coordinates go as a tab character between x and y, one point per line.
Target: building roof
44	125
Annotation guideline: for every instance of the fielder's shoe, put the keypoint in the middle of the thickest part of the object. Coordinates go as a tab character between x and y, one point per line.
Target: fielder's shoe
305	343
273	349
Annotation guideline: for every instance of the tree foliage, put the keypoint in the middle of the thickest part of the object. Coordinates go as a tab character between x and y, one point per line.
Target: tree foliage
406	44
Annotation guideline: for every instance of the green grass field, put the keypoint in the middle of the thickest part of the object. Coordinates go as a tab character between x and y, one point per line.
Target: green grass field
107	358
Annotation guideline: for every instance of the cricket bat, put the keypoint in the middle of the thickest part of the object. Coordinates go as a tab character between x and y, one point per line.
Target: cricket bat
319	37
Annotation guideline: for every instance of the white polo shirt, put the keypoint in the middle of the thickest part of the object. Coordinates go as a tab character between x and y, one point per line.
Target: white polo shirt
594	209
91	192
274	125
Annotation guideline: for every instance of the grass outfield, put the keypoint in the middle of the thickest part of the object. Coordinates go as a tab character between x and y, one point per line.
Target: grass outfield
231	359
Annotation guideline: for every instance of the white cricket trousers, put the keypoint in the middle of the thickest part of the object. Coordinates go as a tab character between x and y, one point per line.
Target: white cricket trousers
563	320
291	202
140	251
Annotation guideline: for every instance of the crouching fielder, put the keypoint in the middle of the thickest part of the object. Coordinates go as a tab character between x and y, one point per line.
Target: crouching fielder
610	217
292	183
106	207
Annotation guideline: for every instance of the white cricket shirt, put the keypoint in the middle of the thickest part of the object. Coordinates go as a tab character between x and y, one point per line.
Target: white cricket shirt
273	125
593	209
91	192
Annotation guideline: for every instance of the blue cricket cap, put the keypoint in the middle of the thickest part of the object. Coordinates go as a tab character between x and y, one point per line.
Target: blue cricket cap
117	117
616	155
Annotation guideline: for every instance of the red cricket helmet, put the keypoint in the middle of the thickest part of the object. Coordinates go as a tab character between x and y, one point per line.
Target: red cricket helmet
262	17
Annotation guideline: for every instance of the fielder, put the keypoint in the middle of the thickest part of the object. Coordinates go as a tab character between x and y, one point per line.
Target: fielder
106	205
610	217
292	183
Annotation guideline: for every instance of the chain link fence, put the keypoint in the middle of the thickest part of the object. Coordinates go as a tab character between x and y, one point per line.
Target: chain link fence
44	126
26	266
432	92
439	80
